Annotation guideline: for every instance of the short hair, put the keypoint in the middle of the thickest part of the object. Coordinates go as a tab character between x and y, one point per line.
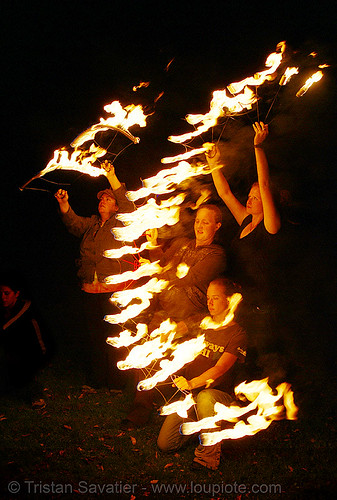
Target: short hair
213	208
227	284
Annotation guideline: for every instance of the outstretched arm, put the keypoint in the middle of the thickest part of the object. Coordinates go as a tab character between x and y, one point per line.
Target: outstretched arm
272	221
213	159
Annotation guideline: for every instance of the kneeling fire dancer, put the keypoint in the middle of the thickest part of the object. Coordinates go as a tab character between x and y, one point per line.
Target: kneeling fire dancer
216	368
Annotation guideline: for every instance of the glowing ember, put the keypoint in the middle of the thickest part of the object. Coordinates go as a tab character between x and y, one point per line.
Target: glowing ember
313	79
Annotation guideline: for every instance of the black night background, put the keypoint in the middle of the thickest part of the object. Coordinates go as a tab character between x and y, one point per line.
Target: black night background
63	61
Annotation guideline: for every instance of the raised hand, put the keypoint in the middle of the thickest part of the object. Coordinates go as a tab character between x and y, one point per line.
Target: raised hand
261	132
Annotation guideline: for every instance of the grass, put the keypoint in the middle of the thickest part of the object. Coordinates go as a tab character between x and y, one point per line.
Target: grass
75	440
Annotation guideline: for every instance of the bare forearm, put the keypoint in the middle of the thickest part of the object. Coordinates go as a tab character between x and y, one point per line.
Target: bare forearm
113	180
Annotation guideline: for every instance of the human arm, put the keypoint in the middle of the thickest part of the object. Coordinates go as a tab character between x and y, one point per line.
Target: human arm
271	216
221	184
226	362
75	224
123	203
111	175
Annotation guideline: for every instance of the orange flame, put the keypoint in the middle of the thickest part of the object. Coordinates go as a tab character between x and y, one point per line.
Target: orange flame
184	353
289	72
149	216
268	407
310	81
179	407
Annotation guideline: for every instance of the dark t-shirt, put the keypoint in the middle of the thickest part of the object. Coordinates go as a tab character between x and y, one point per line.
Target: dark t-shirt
251	261
231	339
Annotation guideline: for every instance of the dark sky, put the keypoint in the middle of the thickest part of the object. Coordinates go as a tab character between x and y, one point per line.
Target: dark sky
63	61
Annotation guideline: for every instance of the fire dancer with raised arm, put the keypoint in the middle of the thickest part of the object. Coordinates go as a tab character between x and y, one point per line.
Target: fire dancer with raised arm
259	220
94	267
210	377
253	253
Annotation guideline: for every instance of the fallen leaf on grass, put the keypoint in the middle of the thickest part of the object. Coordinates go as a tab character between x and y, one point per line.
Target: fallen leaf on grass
154	481
39	403
2	417
67	427
168	465
133	440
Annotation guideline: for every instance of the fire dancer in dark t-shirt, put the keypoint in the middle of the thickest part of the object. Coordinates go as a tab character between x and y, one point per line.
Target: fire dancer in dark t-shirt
213	368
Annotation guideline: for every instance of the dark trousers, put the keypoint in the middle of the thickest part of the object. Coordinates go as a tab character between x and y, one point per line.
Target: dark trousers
100	357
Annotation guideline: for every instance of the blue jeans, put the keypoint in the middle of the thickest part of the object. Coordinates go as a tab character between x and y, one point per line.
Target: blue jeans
170	438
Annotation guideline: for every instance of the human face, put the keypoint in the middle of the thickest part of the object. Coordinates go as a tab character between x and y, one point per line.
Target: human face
254	203
8	297
107	206
217	301
205	227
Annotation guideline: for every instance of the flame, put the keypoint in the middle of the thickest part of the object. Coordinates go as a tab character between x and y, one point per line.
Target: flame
241	97
142	355
182	270
149	216
117	253
268	407
184	156
310	81
148	269
122	120
140	85
184	353
167	180
179	407
273	61
143	294
209	324
126	337
77	160
219	104
289	72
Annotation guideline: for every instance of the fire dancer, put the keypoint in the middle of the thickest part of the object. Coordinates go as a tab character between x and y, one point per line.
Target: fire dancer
259	220
253	252
213	370
184	296
94	267
204	259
